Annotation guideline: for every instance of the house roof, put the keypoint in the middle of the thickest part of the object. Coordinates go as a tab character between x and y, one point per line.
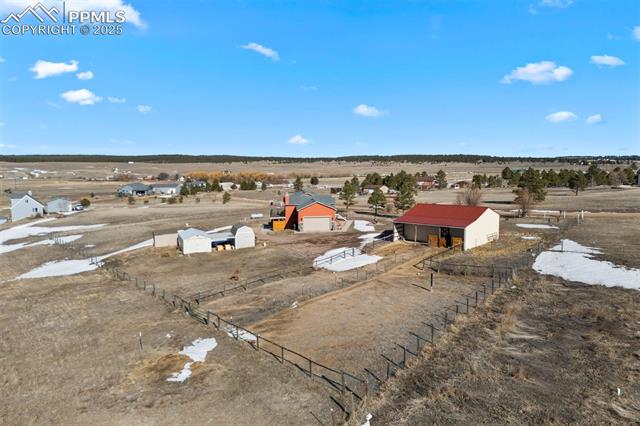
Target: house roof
20	195
192	232
56	199
442	215
302	199
136	186
166	185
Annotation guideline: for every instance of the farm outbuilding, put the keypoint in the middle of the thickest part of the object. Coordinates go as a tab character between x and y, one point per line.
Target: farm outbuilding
194	240
243	236
442	225
59	205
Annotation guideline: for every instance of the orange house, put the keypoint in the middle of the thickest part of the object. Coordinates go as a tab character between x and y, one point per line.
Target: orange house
309	212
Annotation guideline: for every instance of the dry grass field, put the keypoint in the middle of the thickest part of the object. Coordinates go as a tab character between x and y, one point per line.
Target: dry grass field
548	349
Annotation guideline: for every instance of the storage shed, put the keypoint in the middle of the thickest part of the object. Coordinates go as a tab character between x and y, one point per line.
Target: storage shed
193	240
243	236
442	225
59	205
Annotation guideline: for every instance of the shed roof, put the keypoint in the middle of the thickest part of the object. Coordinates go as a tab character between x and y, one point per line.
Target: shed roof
192	232
302	199
237	226
454	216
220	237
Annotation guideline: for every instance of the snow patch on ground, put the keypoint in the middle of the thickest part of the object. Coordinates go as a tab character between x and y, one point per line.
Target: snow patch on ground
30	229
368	238
363	226
241	334
353	258
576	263
197	351
535	226
529	237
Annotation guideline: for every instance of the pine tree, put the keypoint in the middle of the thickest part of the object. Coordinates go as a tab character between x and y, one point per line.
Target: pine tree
314	180
441	178
377	200
226	198
298	185
405	198
348	194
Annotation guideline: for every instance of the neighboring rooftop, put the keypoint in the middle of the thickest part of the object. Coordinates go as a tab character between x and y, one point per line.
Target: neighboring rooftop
302	199
19	195
454	216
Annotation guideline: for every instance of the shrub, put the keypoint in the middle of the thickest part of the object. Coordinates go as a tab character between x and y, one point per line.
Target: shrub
85	202
131	200
172	200
226	198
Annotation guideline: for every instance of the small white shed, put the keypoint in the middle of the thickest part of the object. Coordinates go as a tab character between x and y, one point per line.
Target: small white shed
243	236
59	205
193	240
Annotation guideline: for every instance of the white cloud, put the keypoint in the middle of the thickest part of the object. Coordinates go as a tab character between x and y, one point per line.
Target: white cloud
298	140
593	119
115	100
86	75
144	109
364	110
610	61
263	50
81	97
1	124
558	4
309	88
132	16
6	145
542	72
635	33
560	116
2	61
44	69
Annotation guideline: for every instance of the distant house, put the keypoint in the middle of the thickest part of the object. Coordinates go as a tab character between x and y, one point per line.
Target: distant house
426	183
306	212
135	188
193	240
166	188
23	205
442	225
59	205
243	236
368	189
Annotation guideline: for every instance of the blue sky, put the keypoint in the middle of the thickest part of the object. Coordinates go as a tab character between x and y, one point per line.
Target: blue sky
329	78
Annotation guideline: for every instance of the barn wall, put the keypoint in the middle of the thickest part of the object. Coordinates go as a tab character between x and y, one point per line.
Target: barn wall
165	240
196	245
480	231
245	238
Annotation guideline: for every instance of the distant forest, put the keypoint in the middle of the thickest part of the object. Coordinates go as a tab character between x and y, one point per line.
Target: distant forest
417	158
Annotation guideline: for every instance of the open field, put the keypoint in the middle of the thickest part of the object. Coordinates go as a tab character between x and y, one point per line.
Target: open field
81	332
71	354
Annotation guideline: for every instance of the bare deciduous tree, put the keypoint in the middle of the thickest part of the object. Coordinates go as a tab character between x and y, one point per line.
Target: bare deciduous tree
524	199
470	197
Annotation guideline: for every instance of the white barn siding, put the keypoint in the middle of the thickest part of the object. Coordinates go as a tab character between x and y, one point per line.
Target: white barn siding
195	244
165	240
244	237
485	229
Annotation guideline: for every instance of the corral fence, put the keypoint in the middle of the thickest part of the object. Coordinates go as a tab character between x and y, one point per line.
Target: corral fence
344	383
250	283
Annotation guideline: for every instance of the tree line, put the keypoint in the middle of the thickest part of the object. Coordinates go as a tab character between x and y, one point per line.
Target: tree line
402	158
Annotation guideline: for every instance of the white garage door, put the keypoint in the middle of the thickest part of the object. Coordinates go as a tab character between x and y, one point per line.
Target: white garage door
316	224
